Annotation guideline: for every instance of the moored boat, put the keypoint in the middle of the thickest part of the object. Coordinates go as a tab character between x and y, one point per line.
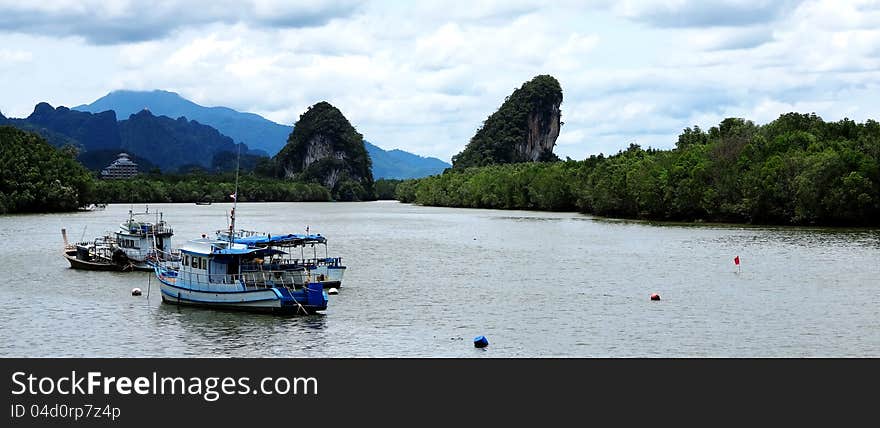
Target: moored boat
101	254
142	238
326	270
210	274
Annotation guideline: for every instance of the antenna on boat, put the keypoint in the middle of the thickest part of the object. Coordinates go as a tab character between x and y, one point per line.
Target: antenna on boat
234	199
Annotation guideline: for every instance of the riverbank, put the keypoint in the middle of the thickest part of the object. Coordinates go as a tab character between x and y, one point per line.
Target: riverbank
797	170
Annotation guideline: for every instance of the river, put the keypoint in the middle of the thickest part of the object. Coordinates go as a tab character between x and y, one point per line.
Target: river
424	281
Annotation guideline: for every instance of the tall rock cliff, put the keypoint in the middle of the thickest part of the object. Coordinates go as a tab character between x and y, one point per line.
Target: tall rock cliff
524	129
326	148
93	131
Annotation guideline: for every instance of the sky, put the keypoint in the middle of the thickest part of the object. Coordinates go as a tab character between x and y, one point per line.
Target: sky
423	76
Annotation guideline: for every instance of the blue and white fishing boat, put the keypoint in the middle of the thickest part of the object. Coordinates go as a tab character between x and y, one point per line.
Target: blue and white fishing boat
326	270
209	273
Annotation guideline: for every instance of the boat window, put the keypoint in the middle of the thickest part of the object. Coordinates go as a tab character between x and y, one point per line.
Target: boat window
195	262
203	263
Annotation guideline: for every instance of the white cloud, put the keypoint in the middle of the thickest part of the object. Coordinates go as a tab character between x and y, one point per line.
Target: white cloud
8	56
121	22
423	77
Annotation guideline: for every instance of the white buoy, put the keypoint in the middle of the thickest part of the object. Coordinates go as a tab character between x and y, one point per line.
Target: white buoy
333	291
135	291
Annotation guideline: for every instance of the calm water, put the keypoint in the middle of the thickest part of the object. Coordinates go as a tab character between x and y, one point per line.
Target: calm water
424	281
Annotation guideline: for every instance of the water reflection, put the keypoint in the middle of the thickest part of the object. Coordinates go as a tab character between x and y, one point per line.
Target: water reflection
205	331
528	218
537	284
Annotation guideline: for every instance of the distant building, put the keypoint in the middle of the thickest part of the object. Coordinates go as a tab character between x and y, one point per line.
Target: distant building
121	168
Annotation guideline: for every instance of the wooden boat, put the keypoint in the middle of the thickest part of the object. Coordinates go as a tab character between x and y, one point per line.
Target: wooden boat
100	254
203	202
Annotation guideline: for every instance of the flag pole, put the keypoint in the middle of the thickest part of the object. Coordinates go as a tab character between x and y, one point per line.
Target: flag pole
234	199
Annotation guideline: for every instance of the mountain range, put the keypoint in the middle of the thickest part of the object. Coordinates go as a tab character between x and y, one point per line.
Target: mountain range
262	136
170	144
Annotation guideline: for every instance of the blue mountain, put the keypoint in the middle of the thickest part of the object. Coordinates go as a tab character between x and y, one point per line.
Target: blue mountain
254	130
400	164
259	133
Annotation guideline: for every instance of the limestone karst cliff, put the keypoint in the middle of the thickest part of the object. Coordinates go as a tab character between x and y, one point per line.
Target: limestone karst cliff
524	129
326	148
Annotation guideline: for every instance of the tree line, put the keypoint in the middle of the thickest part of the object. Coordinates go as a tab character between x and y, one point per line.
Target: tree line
797	169
36	177
196	187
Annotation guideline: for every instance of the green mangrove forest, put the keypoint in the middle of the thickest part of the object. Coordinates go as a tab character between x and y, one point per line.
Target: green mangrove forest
797	170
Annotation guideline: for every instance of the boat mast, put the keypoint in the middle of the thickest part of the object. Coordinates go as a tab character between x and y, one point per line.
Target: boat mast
234	199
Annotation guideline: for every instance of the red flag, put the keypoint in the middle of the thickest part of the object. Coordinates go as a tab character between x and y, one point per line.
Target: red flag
736	260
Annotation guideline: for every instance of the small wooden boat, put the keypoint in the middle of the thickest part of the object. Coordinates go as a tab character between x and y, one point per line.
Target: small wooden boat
100	254
203	202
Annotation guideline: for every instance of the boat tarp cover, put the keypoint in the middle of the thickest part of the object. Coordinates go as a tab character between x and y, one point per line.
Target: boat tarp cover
222	251
280	240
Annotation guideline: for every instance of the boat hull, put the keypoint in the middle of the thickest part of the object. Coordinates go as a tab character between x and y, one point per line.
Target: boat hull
76	263
267	300
142	266
329	276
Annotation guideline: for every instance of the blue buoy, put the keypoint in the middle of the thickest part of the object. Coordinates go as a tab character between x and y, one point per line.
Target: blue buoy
481	342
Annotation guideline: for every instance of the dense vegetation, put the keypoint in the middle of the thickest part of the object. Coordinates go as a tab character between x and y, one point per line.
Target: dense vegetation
508	128
310	155
36	177
386	188
797	169
206	187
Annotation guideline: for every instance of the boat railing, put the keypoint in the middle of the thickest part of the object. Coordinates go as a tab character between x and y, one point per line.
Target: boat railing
250	279
149	229
239	233
156	255
272	266
311	263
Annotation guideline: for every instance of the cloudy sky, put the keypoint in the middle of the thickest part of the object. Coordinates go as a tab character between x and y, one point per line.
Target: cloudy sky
423	76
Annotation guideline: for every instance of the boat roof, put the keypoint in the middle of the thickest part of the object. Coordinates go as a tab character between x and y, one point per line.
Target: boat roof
208	246
290	240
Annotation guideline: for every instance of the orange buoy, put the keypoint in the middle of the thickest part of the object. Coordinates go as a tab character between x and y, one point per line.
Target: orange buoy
655	296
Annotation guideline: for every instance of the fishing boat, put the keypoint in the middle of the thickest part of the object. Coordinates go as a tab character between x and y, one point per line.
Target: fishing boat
209	274
326	270
144	236
101	254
